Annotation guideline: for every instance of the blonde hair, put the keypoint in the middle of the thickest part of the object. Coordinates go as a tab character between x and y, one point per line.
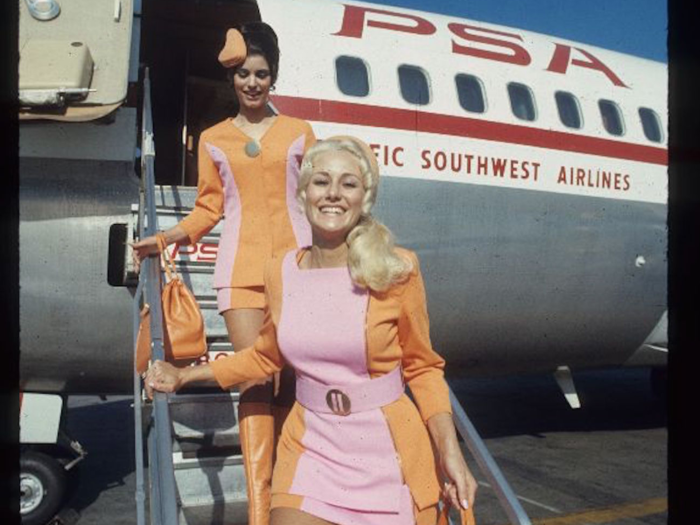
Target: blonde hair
372	259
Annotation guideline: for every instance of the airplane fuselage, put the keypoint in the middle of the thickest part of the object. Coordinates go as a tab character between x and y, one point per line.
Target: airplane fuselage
540	228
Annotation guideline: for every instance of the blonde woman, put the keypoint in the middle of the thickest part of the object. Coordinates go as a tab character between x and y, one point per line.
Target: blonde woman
348	313
248	172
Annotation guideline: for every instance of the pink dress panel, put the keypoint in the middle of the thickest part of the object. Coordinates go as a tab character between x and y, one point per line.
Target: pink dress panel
232	225
349	462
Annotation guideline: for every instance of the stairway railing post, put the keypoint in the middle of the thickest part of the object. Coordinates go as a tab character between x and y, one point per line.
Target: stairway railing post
162	493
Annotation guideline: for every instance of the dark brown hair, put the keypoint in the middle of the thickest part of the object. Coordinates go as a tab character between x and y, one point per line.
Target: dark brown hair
260	39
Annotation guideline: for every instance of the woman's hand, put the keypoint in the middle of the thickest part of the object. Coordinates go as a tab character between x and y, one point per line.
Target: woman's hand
149	246
142	249
163	377
459	488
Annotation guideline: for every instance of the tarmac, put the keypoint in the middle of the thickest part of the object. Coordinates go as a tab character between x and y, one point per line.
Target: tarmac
605	463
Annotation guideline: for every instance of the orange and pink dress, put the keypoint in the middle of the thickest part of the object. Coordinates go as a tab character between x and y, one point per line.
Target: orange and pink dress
358	460
257	197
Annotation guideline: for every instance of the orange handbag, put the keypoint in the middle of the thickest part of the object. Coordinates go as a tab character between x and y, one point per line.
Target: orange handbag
466	516
183	324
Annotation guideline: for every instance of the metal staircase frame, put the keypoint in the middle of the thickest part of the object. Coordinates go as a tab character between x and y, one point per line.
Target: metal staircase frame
162	491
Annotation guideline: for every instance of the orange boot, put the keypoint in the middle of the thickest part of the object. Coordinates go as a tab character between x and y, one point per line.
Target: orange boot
257	433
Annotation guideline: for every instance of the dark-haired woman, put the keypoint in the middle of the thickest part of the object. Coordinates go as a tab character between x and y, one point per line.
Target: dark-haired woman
248	173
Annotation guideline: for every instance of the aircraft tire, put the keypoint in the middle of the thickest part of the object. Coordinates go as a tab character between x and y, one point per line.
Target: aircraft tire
42	487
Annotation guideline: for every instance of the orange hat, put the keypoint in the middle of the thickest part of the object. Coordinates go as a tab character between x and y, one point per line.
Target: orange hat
234	51
368	153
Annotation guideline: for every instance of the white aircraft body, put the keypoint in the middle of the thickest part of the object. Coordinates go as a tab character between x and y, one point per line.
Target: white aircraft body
542	232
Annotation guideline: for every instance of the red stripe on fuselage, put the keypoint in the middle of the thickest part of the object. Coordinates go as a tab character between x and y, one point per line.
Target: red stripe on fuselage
409	120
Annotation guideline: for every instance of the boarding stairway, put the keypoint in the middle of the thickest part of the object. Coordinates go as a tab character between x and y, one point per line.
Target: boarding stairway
207	463
193	459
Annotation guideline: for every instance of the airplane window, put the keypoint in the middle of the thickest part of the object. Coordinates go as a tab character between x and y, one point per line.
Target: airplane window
471	93
650	124
612	119
521	102
414	85
568	108
352	76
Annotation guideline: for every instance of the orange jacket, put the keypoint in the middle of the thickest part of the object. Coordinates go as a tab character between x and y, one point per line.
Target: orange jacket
255	194
397	332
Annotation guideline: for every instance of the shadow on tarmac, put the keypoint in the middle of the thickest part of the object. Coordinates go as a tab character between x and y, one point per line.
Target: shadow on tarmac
106	431
620	399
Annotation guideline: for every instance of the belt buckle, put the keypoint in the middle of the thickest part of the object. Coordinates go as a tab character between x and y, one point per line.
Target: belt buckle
338	401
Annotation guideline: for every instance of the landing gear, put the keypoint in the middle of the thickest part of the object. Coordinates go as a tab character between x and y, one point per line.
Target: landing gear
42	487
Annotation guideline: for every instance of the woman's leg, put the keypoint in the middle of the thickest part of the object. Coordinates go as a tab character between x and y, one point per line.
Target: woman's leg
287	516
255	420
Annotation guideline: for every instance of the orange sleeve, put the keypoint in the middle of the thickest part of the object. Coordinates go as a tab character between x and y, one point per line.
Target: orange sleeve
209	206
422	366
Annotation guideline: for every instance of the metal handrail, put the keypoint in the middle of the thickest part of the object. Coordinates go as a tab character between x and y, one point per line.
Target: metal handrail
515	512
163	500
138	425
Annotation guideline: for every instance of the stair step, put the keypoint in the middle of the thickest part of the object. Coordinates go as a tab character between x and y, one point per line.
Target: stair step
205	396
204	421
215	511
209	445
221	346
217	350
175	196
214	325
208	466
202	478
185	462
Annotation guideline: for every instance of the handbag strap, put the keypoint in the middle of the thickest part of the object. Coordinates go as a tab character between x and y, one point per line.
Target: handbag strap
166	258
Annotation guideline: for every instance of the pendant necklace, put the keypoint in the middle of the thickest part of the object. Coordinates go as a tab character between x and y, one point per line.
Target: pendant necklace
252	148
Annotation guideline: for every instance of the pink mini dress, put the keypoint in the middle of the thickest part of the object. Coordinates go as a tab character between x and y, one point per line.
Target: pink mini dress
349	471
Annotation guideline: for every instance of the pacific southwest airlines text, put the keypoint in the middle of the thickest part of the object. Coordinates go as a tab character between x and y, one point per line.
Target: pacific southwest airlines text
502	167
